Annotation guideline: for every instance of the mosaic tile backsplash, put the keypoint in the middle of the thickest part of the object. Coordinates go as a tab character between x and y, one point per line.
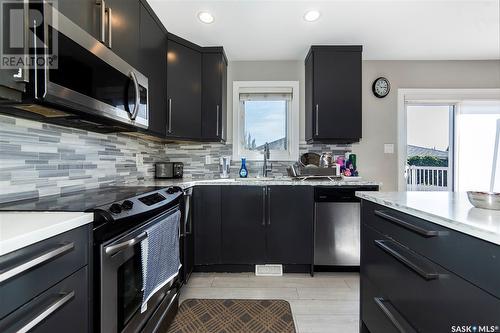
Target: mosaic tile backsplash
38	159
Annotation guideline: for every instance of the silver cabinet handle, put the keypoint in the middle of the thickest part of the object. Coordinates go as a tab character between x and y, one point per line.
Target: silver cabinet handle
102	17
416	229
268	206
169	115
264	206
389	310
401	257
317	119
217	124
110	25
65	298
132	115
36	262
112	249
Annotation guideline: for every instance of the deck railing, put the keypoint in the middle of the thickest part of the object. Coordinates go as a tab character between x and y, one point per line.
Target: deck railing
426	178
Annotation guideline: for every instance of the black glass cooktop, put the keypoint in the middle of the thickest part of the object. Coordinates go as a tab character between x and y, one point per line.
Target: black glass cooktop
80	201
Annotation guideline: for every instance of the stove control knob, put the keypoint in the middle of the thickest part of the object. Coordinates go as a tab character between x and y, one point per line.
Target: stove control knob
115	208
127	205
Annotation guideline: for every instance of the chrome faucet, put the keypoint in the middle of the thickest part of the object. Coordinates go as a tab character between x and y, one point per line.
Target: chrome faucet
267	154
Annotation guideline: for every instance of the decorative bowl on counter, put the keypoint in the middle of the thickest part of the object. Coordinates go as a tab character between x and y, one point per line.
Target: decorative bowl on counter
485	200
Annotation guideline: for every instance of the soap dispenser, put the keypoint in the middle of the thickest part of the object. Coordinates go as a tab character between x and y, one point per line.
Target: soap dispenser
243	169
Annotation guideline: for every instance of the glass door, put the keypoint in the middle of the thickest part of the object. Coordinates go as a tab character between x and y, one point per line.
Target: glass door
429	149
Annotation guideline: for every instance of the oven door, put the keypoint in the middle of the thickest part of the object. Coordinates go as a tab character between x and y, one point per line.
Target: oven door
87	76
121	283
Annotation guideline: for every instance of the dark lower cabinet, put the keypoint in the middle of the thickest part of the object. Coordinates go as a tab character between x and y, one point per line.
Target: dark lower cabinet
248	225
152	55
46	287
243	224
183	91
403	290
207	227
289	234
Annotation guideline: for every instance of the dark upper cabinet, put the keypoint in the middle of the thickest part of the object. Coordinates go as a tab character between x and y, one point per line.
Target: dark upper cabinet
113	22
85	13
123	35
207	225
243	225
183	91
214	87
153	64
333	94
290	226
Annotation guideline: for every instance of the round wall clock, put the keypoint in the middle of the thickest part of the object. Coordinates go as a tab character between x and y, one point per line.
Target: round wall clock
381	87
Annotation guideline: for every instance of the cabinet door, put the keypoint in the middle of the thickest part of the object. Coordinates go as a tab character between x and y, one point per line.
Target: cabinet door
337	95
82	12
290	224
207	225
153	64
184	91
125	29
213	106
243	225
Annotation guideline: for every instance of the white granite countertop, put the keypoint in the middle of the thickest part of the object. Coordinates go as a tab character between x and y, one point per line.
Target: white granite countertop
449	209
20	229
186	183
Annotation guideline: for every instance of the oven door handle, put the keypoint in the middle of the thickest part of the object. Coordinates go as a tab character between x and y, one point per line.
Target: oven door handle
112	249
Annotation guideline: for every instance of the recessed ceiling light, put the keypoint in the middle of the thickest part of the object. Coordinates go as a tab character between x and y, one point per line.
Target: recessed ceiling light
206	17
311	15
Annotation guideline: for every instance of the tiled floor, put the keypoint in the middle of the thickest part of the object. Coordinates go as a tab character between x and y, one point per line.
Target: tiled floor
327	302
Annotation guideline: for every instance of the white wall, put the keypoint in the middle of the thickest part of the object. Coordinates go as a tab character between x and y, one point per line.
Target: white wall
379	115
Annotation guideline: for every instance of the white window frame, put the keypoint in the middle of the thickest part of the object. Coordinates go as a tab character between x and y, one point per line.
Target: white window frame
432	96
292	153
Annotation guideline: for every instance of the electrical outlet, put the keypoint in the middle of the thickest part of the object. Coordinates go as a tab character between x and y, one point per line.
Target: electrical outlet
139	161
208	159
389	148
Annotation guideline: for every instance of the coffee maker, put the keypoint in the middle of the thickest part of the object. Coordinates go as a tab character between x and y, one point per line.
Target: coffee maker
224	166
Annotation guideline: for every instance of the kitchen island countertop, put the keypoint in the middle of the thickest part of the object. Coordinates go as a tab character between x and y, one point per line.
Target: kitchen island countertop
448	209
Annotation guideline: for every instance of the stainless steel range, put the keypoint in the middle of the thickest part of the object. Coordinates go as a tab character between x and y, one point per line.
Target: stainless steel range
119	229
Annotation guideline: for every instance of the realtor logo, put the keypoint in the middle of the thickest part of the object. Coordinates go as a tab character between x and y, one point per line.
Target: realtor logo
24	40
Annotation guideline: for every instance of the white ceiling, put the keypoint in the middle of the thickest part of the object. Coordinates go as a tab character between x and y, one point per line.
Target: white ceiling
388	30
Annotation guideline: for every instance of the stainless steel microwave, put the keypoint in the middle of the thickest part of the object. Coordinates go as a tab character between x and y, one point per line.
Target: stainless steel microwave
89	77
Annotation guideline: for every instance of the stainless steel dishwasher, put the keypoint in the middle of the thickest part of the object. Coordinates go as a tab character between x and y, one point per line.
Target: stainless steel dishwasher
337	223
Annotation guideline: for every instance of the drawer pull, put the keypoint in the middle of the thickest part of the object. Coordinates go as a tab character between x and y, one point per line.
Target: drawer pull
403	259
36	262
390	313
65	298
406	225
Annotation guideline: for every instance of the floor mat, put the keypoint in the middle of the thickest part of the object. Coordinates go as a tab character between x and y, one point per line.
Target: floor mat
233	315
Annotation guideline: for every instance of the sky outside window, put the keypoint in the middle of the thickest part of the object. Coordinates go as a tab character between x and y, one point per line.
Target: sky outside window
265	121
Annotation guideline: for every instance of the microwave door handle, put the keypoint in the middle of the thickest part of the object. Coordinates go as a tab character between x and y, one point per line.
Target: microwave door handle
133	114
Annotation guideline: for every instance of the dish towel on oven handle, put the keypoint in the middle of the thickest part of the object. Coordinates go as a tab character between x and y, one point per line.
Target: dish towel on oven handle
160	256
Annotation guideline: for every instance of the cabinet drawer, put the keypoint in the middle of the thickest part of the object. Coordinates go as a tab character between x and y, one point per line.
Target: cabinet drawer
431	298
451	249
62	308
29	271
